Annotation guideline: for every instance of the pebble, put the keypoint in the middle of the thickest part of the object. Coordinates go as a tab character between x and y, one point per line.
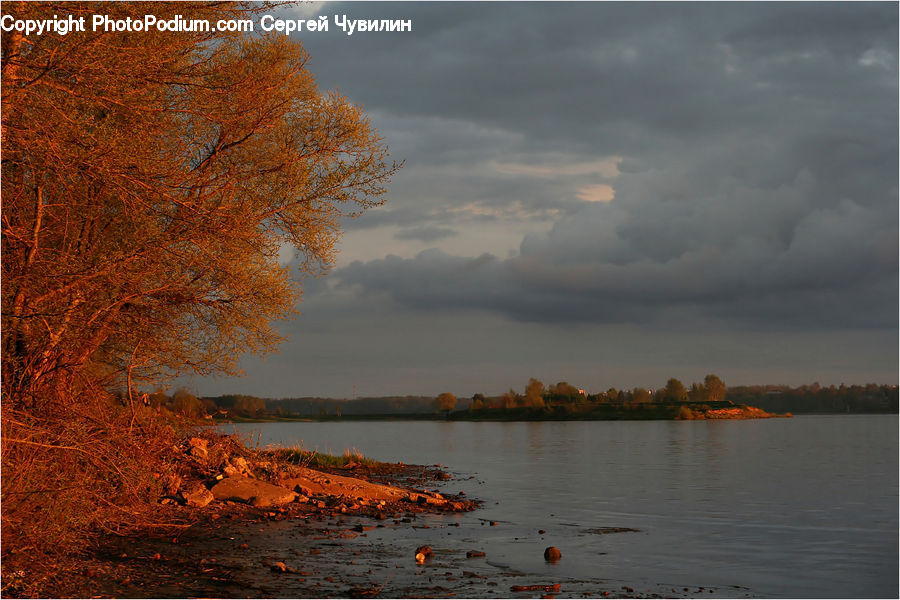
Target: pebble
552	554
279	567
423	553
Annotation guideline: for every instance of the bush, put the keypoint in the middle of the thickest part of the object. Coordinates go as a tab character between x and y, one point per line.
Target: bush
75	467
685	413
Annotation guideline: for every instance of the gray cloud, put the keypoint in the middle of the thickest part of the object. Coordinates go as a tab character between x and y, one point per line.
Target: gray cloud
425	234
752	256
752	151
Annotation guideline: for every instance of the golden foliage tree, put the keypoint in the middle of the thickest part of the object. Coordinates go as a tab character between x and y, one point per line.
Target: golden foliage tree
445	402
534	393
149	180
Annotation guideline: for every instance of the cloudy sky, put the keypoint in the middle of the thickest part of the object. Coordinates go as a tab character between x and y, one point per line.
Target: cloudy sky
611	195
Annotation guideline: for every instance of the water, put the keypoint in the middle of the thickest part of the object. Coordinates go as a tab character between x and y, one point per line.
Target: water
802	507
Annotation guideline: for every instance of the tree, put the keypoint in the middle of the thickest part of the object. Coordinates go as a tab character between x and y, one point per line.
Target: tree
640	396
563	391
675	392
187	404
477	403
534	393
698	393
715	388
445	402
150	181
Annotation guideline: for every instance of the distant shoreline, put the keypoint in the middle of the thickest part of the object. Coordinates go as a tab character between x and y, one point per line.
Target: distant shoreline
650	412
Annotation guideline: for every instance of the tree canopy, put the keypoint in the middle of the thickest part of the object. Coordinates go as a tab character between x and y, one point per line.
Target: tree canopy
445	402
150	181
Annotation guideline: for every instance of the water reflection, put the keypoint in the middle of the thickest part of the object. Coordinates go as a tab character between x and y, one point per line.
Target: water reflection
805	506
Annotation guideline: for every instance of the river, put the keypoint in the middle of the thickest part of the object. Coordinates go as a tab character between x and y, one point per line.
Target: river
800	507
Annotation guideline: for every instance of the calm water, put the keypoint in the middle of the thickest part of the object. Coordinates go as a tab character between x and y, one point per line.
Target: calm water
802	507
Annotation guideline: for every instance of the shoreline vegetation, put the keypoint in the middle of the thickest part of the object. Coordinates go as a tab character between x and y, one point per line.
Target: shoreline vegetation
710	399
216	479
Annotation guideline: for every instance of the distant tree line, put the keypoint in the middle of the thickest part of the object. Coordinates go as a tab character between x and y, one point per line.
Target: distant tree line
563	394
560	399
812	399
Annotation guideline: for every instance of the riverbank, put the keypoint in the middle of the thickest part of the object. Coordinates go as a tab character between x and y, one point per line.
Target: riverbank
218	483
264	523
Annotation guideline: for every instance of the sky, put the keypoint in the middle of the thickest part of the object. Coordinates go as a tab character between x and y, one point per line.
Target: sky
609	194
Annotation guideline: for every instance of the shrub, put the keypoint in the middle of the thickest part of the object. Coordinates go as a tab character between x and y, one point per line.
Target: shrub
685	413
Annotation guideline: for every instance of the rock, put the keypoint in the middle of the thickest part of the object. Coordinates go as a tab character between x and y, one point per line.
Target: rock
199	448
552	554
541	532
280	567
171	483
236	466
535	588
198	495
252	491
474	554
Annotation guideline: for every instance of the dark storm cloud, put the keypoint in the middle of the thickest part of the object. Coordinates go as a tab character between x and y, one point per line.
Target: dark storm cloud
757	144
425	234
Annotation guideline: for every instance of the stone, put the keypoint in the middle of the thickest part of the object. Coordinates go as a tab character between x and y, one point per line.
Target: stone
237	466
252	491
172	483
199	448
423	553
552	554
280	567
535	588
198	495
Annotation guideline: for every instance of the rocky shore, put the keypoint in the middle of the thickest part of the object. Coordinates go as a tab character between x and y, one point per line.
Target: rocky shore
248	524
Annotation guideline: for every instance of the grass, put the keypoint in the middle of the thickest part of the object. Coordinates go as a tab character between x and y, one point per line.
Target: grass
299	455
